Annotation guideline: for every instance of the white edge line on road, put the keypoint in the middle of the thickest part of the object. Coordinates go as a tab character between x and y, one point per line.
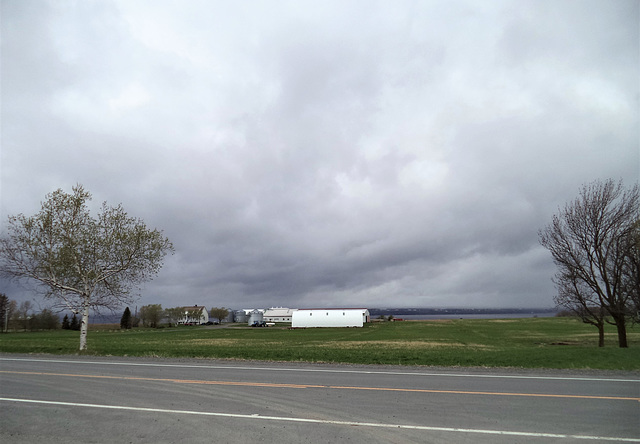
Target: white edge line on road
325	421
320	370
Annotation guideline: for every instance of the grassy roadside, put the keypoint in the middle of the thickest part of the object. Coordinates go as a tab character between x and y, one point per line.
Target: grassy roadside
527	343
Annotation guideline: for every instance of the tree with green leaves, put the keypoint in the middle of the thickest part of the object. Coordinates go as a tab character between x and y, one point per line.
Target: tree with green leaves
74	324
151	315
78	261
24	313
7	307
125	320
173	315
592	241
219	313
45	320
65	323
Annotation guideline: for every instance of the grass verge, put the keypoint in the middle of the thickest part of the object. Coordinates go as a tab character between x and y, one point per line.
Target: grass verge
526	343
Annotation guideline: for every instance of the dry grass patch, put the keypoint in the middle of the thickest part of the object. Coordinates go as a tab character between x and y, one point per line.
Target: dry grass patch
216	342
227	342
406	345
530	334
594	334
104	327
432	321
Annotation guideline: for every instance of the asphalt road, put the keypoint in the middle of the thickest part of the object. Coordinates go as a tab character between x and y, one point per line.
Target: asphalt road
118	400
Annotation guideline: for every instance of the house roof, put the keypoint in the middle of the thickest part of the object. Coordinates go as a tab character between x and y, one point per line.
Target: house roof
279	311
193	307
327	309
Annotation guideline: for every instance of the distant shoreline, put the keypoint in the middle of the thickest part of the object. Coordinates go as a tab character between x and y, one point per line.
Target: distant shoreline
462	313
415	314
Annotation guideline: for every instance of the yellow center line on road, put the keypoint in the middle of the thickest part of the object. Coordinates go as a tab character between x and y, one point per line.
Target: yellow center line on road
305	386
461	392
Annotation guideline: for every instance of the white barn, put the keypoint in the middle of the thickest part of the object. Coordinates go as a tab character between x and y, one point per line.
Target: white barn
329	317
278	314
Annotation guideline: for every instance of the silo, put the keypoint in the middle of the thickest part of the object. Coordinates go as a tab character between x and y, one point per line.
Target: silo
239	316
255	316
229	317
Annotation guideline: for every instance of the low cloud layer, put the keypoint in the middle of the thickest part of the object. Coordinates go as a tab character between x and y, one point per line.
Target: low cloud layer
325	154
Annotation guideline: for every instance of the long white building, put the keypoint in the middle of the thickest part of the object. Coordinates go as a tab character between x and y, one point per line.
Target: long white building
329	317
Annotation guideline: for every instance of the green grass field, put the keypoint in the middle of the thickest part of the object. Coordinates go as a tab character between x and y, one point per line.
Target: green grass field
526	343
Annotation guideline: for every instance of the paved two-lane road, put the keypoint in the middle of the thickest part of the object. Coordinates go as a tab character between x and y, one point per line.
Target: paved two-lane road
115	400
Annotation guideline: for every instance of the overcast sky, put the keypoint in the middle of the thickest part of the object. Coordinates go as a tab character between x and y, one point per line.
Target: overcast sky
325	153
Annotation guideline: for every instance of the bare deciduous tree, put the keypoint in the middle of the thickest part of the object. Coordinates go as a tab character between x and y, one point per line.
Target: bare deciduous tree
590	243
632	274
581	300
80	262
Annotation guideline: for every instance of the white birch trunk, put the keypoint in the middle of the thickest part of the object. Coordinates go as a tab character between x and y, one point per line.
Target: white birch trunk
84	327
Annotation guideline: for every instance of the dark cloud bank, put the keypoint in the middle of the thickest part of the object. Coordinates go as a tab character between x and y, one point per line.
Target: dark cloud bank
335	154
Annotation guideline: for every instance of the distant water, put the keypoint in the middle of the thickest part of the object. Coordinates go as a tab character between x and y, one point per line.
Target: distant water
418	317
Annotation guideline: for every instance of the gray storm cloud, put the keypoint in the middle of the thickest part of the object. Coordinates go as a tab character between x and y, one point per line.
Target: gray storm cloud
334	153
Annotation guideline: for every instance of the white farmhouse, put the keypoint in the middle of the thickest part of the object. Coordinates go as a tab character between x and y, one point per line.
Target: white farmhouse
194	315
329	317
